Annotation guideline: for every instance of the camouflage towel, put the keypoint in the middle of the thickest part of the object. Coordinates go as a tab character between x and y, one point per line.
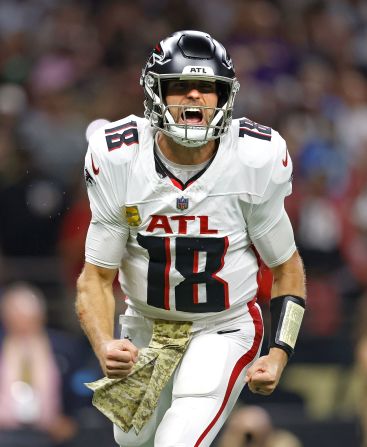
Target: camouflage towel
131	401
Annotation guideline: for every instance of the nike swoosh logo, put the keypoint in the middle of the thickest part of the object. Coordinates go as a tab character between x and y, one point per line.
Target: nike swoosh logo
285	161
95	170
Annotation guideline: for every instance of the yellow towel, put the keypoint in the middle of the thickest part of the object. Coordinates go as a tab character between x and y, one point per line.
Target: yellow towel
130	401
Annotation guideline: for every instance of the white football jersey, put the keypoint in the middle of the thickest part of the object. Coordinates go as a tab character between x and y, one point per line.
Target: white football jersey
184	254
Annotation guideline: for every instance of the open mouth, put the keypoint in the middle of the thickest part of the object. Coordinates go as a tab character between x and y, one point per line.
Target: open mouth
192	116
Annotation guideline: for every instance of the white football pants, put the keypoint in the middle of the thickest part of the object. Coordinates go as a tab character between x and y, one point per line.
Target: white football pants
207	383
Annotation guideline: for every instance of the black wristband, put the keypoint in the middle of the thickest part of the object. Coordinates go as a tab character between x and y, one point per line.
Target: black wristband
286	312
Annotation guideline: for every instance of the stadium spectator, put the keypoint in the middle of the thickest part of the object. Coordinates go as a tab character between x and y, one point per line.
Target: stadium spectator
30	382
251	426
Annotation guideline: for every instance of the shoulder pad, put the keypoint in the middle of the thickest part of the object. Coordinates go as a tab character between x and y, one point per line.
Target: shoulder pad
254	130
282	167
111	140
110	153
262	151
255	143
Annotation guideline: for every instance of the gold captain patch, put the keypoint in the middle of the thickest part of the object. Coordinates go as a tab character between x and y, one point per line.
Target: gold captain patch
132	216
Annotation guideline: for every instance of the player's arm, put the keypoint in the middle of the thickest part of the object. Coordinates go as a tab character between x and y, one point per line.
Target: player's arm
272	234
287	296
95	305
287	307
288	289
104	247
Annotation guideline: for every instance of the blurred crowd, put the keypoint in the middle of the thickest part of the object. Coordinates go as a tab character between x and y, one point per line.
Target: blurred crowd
302	66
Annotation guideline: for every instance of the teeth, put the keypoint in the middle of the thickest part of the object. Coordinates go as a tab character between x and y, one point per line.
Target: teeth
192	109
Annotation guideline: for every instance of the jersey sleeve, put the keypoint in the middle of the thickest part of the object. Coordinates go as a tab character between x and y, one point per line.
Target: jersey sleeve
108	231
269	212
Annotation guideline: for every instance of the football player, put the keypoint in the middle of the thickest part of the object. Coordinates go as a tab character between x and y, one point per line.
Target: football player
184	204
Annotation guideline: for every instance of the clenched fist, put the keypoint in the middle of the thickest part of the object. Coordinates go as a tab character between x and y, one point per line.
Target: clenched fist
117	358
264	375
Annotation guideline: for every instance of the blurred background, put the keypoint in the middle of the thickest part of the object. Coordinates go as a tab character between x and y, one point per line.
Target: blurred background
302	66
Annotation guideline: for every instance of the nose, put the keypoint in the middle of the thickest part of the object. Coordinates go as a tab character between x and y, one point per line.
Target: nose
193	92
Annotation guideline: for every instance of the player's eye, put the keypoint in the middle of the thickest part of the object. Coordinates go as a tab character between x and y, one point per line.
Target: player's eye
176	87
180	87
207	87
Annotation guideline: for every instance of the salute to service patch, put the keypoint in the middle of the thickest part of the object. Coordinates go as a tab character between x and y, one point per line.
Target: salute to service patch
132	216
